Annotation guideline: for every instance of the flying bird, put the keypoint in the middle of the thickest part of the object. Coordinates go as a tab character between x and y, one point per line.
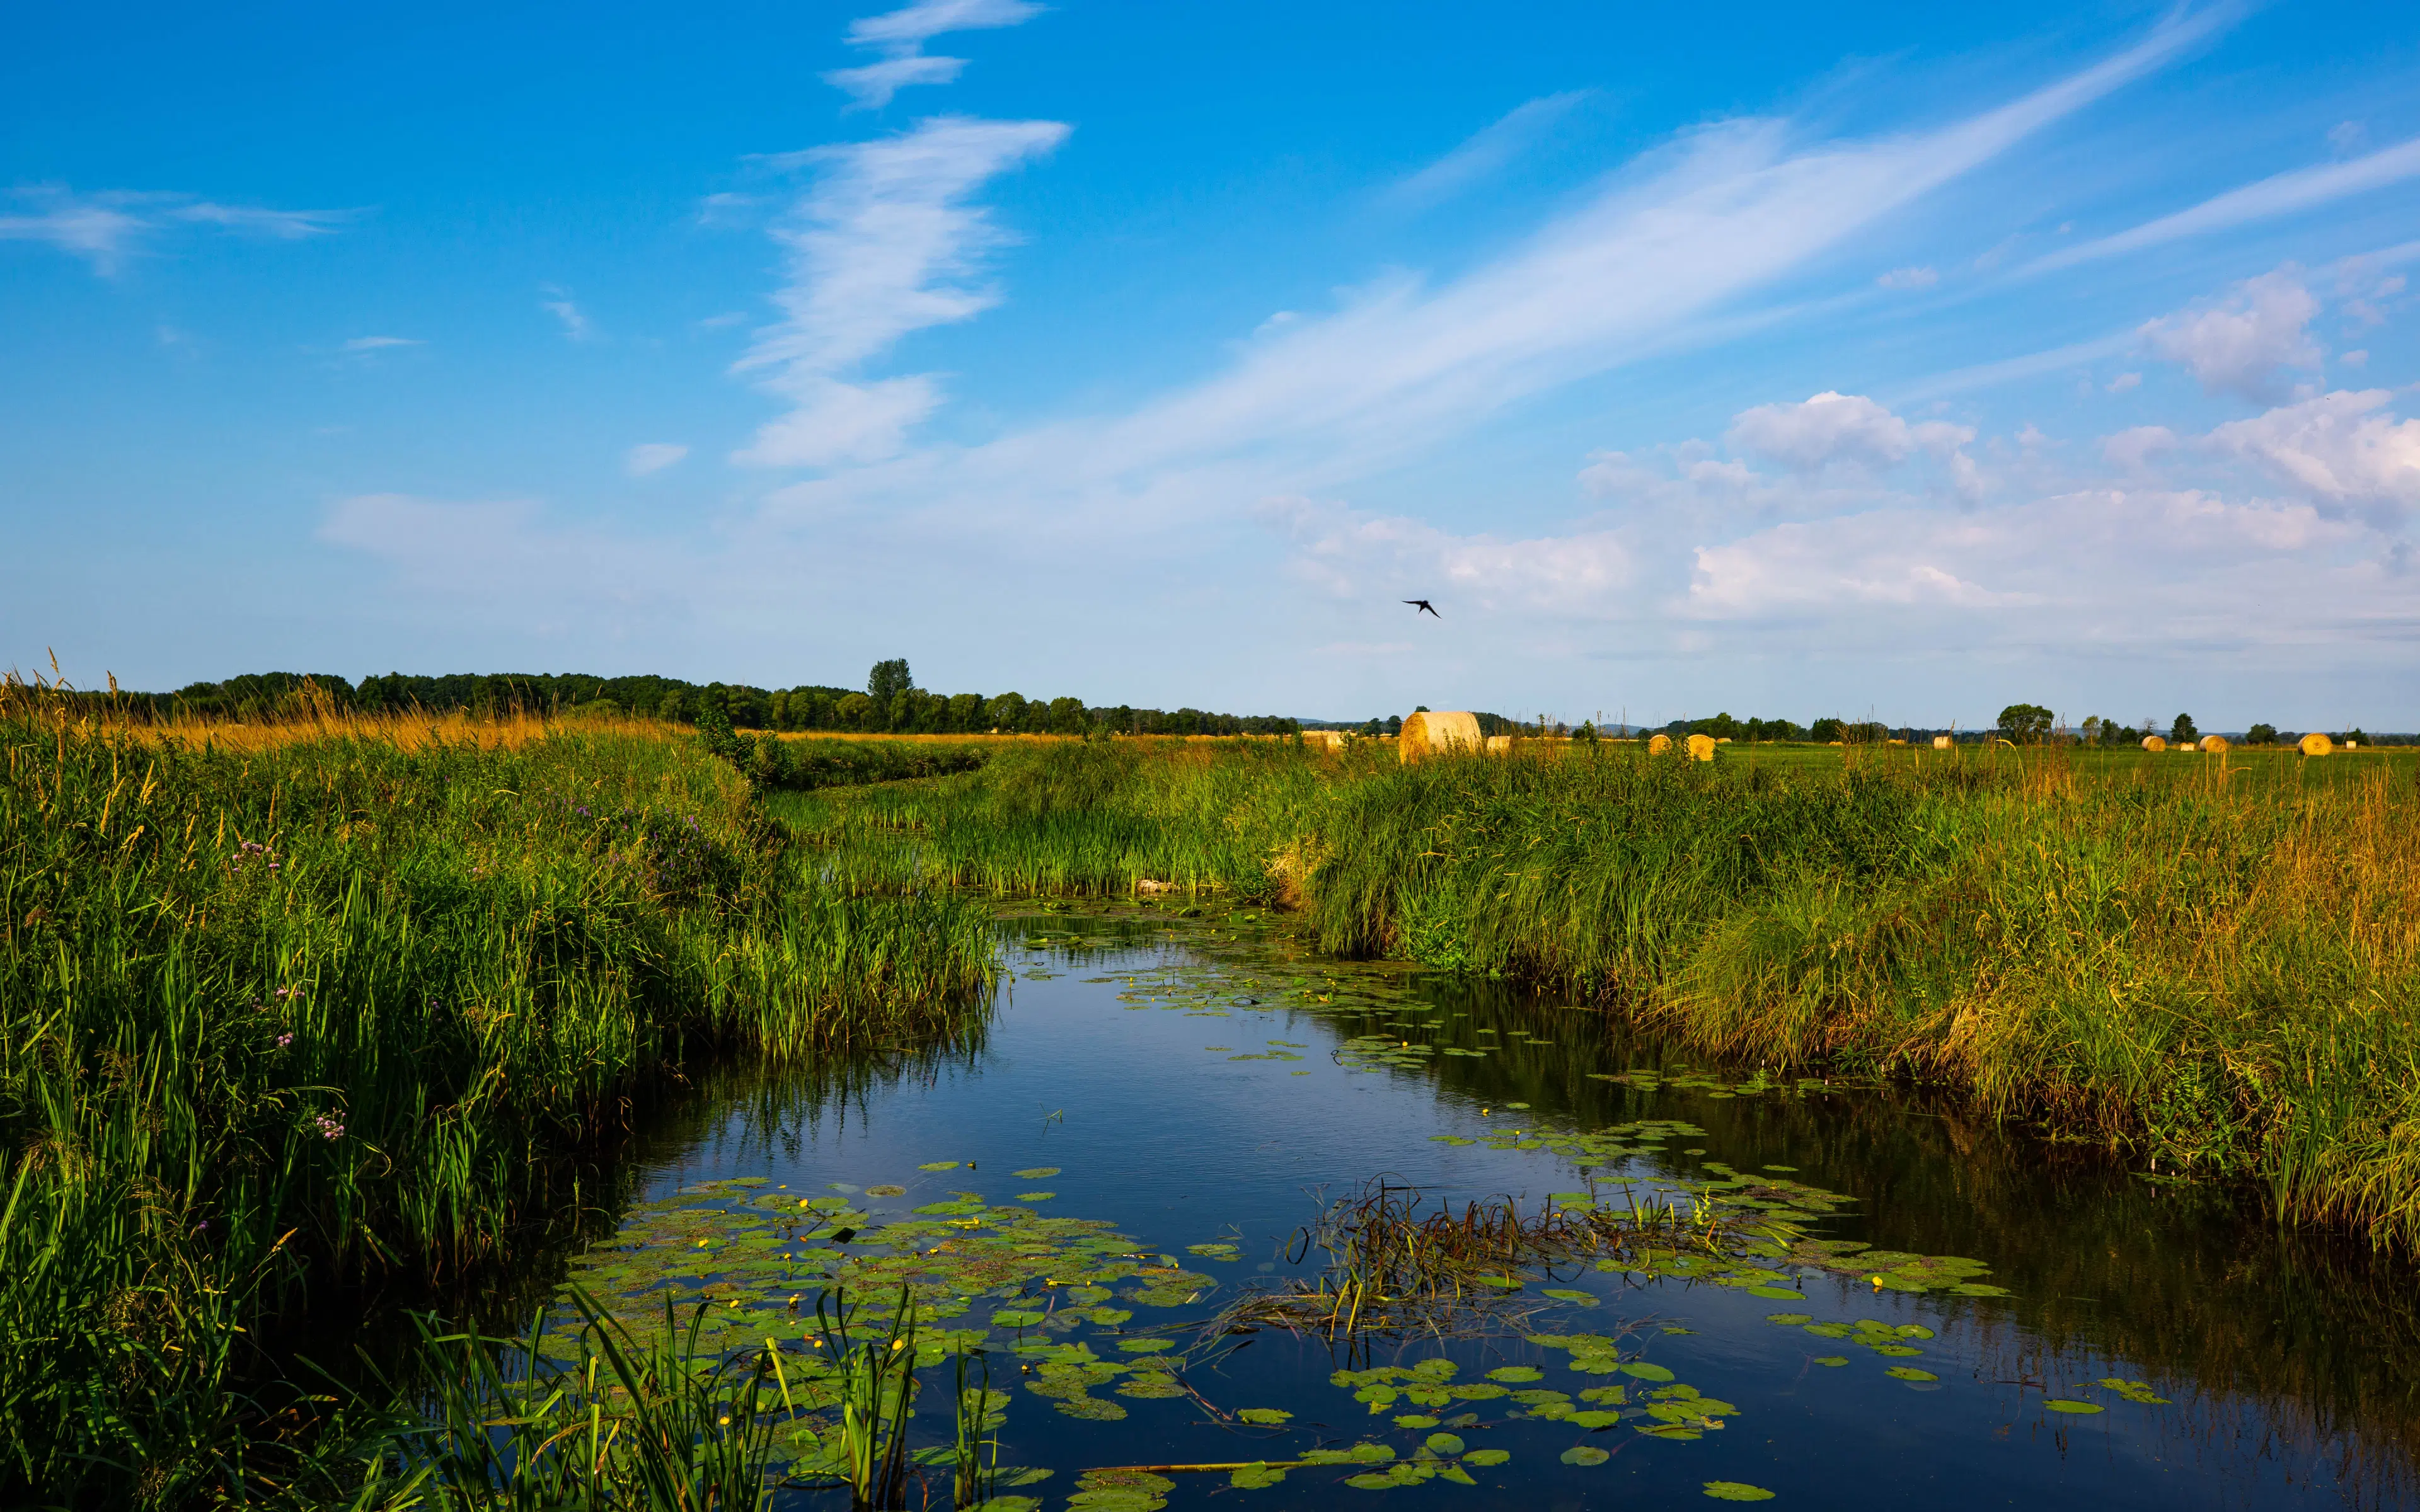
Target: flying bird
1420	605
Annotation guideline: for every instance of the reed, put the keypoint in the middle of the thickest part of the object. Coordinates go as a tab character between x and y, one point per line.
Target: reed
279	1014
2204	966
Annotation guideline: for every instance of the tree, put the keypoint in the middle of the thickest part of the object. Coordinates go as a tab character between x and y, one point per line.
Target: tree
2260	734
2026	723
888	680
1824	732
2182	732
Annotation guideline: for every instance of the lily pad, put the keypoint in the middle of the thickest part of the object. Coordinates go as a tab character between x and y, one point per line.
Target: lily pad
1571	1295
1035	1196
1486	1457
1445	1444
1517	1373
1585	1454
1909	1372
2061	1404
886	1190
1736	1491
1036	1173
1254	1477
1834	1360
1789	1319
1645	1371
938	1165
1268	1417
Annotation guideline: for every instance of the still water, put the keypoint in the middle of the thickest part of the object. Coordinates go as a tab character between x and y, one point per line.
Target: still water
1159	1106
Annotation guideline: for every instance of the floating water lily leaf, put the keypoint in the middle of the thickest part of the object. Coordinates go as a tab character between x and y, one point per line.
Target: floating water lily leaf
1829	1331
2061	1404
938	1165
1015	1317
1269	1416
1133	1346
2135	1390
1252	1477
1484	1458
1831	1359
1909	1372
1516	1373
1789	1319
1736	1491
1445	1444
1035	1173
1035	1196
1776	1293
1414	1420
1645	1371
1586	1454
1609	1396
885	1191
1900	1351
1567	1294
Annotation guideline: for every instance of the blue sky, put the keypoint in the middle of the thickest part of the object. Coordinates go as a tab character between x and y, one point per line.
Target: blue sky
1904	362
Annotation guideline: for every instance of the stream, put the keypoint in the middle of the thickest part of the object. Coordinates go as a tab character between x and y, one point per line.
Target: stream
1950	1312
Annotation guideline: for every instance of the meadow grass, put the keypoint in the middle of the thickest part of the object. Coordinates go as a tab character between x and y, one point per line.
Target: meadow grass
2206	963
290	1006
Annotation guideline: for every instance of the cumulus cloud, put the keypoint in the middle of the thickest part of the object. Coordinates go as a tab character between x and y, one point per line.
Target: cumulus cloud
2125	382
1909	278
2237	346
885	242
652	456
576	324
2339	449
1851	428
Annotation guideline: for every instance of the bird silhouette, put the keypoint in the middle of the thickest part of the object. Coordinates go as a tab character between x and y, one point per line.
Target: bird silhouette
1420	605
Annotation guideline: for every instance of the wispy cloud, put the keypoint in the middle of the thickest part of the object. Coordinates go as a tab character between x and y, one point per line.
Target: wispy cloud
372	344
2279	195
560	304
652	456
885	242
106	228
1487	151
901	36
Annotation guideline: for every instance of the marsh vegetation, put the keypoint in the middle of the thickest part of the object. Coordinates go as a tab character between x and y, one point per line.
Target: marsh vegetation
310	1011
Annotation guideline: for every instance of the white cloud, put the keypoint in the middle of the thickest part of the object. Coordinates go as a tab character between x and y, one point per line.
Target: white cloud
652	456
372	344
884	244
2125	382
2345	138
1352	555
1485	152
283	225
2132	450
875	83
106	228
1909	278
2280	195
1850	428
2356	358
576	324
913	25
901	36
2237	346
2337	449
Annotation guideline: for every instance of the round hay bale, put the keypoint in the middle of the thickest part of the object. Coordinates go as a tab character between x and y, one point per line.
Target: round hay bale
1658	745
2154	743
2316	744
1435	733
2217	745
1499	745
1941	743
1701	748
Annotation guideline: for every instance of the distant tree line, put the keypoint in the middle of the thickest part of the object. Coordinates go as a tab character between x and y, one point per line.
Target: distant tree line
890	703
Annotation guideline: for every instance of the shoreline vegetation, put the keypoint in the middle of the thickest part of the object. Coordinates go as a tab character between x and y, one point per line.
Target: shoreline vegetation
279	1016
349	994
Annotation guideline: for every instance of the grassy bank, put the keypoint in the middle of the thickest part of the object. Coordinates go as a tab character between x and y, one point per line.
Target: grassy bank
291	1006
2209	967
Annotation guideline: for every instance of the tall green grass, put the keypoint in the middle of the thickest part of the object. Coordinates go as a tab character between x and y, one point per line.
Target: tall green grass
280	1017
2210	966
